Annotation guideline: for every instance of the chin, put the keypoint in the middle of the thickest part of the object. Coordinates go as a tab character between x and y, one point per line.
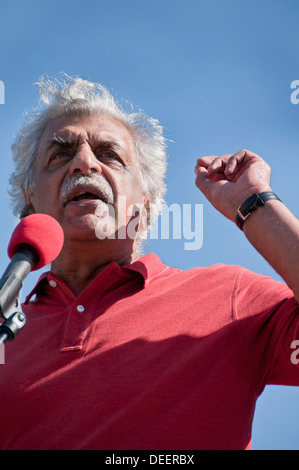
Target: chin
83	227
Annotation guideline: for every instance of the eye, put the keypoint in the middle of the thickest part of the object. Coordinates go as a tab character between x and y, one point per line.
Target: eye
60	155
109	156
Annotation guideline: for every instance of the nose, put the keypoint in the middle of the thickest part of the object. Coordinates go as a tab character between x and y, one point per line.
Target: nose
85	162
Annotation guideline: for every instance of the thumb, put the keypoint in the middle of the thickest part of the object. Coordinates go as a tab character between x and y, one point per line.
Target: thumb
202	180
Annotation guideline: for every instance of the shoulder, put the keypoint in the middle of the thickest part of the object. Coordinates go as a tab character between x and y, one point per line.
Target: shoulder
241	283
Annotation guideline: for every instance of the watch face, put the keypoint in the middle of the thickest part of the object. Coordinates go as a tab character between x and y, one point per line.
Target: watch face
250	204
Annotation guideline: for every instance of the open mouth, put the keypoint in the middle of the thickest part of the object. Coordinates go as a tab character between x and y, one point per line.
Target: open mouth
82	194
86	196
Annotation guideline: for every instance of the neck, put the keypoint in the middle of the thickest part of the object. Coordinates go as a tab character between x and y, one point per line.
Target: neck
79	265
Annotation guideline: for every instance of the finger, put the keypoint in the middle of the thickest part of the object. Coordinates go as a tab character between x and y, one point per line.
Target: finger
217	166
235	162
231	166
206	161
245	155
202	180
240	156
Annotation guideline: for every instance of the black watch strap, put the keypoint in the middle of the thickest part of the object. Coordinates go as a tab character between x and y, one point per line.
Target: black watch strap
251	204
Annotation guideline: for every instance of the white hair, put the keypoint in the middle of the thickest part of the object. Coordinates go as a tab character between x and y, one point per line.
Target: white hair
76	96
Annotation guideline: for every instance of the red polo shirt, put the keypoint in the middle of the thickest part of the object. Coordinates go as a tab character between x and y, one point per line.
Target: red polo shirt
147	357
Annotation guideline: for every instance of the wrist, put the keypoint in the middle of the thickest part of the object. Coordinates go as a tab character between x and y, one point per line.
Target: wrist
251	204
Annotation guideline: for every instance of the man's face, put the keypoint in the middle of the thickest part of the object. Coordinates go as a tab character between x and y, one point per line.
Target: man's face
98	152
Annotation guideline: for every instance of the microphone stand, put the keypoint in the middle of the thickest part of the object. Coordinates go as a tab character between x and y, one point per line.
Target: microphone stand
14	320
10	286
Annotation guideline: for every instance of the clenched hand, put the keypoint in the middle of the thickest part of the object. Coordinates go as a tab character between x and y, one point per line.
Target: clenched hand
228	180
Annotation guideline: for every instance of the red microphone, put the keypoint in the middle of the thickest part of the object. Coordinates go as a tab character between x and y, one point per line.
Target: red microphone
36	241
43	234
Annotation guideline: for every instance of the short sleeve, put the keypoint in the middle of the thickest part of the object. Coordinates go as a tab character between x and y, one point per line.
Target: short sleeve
268	317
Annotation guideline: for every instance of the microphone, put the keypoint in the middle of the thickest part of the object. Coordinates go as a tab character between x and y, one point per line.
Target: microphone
36	241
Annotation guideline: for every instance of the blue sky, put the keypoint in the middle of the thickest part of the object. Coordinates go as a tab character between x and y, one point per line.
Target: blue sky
217	74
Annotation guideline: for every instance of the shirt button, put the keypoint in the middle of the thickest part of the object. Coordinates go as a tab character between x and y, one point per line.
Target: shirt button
80	308
53	283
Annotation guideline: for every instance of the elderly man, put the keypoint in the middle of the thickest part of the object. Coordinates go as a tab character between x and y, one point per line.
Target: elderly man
121	351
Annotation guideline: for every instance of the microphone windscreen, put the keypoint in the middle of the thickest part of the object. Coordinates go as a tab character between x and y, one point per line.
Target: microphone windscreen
43	233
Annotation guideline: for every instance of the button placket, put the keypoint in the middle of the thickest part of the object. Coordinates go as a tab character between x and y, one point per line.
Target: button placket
75	330
80	313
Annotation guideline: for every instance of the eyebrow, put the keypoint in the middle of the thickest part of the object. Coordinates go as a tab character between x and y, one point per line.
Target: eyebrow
58	140
107	144
71	142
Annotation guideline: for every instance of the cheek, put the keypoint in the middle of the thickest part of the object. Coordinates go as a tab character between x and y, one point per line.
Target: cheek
134	187
130	193
44	197
134	208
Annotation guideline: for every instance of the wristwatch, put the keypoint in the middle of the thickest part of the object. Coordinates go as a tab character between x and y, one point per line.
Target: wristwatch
251	204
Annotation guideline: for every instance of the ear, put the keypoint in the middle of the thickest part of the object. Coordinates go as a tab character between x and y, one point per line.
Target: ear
29	209
146	215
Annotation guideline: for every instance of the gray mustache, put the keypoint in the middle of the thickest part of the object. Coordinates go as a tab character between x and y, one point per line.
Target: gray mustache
100	183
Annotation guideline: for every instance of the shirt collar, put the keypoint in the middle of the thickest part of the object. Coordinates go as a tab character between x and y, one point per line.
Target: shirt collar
148	266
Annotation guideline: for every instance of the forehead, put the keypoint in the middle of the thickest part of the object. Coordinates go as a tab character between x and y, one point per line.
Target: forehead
93	129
